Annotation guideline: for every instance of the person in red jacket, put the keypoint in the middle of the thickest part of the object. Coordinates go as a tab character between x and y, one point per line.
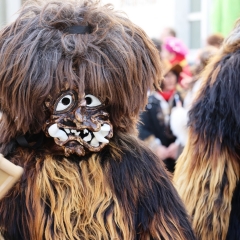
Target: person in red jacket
154	128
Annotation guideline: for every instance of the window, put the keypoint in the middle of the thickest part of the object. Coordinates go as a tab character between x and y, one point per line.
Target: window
195	34
195	21
195	6
193	24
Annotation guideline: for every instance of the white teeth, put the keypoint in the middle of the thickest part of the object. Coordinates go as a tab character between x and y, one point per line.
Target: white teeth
94	142
100	137
104	134
105	127
67	130
55	132
87	138
75	132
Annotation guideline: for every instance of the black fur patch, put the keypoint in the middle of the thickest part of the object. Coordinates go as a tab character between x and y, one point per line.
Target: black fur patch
234	223
155	195
215	114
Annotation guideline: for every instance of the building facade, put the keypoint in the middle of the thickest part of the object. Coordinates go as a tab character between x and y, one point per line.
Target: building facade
193	23
192	19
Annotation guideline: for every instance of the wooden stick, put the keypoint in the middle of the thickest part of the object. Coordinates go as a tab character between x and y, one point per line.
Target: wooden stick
9	175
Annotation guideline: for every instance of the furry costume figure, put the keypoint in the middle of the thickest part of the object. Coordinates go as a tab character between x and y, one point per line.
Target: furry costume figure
73	78
207	173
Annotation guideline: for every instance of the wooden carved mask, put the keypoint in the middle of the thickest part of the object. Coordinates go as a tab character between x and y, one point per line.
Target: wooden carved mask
79	124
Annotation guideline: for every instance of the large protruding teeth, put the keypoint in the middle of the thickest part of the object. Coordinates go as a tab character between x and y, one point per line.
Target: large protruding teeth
104	133
67	130
88	137
55	132
75	132
99	136
94	142
85	131
105	127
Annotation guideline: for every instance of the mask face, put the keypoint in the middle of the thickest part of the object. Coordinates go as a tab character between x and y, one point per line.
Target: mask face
78	124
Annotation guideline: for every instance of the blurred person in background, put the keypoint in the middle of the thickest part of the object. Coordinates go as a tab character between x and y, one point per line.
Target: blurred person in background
179	114
175	51
154	127
215	40
167	32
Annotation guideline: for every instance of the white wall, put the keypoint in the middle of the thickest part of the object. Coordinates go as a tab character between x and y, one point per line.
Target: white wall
12	6
152	16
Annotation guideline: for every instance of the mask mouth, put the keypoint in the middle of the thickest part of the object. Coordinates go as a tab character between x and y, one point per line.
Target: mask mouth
85	137
75	132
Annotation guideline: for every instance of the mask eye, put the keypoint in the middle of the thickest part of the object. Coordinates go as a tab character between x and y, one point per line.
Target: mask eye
92	101
64	102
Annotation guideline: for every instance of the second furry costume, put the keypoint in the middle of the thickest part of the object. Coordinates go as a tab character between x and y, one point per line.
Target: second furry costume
73	78
207	173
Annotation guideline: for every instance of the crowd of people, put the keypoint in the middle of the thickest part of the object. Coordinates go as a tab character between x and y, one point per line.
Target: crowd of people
163	125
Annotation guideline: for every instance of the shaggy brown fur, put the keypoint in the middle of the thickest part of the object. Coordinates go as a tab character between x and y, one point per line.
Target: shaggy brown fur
121	192
207	187
98	198
208	170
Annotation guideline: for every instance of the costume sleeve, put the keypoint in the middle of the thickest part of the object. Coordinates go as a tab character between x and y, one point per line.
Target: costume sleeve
146	125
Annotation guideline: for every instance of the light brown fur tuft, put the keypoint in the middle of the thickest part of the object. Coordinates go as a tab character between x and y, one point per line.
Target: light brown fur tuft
83	199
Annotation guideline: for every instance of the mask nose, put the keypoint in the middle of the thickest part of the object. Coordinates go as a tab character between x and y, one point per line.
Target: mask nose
79	113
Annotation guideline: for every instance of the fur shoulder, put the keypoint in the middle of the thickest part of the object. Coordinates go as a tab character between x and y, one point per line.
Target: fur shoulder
144	188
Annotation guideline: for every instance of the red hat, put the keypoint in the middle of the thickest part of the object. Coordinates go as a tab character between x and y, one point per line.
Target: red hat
175	45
